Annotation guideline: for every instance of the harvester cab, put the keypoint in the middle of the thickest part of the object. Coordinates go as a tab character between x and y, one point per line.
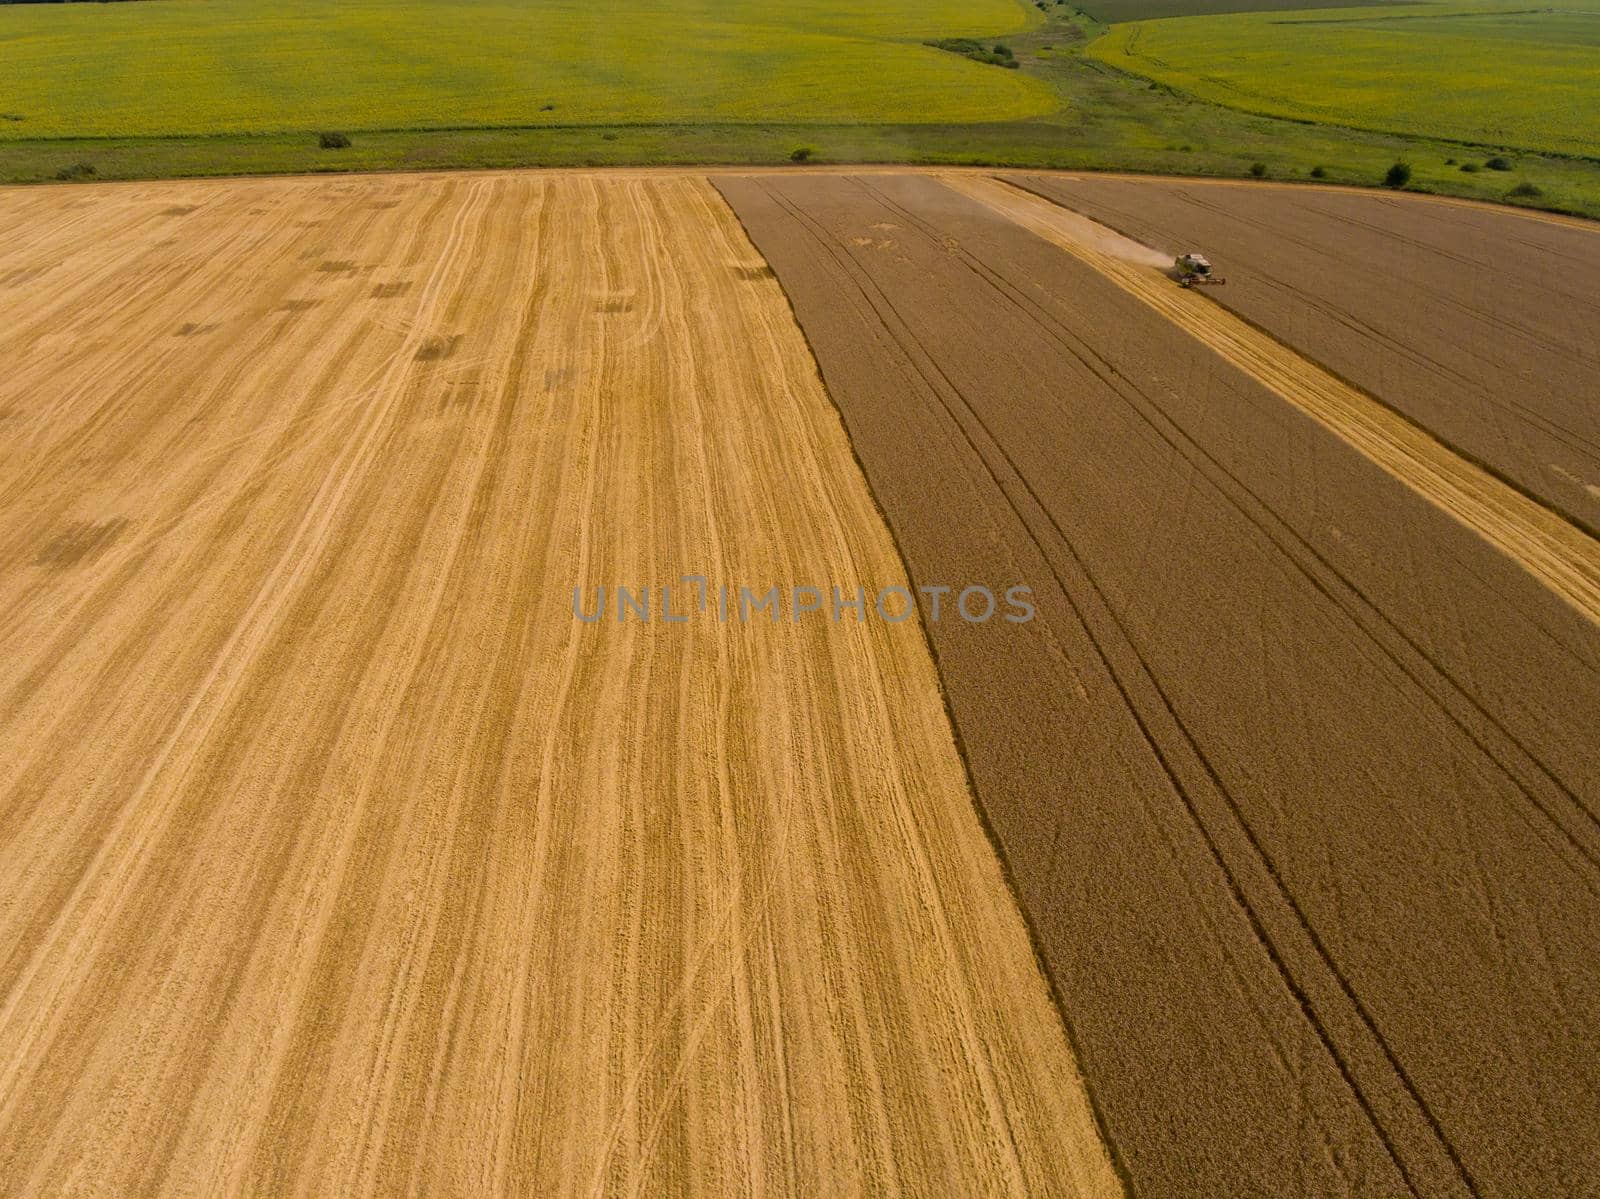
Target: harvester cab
1195	270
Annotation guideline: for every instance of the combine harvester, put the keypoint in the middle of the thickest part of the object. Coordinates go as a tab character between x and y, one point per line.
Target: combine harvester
1195	270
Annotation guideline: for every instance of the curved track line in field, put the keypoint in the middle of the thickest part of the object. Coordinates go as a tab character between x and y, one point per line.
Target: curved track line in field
344	860
1561	556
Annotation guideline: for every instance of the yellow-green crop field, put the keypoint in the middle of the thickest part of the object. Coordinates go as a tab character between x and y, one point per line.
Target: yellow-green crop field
186	67
1496	72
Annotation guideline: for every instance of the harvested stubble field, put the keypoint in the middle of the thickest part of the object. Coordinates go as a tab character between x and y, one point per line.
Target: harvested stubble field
340	857
1295	774
1480	327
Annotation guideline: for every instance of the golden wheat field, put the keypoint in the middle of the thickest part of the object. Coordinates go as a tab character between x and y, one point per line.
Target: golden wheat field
341	857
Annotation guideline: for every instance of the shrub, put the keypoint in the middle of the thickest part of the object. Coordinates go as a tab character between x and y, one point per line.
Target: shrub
1449	162
1398	175
1319	172
1258	169
1497	163
999	56
333	141
78	170
801	154
1525	189
1470	168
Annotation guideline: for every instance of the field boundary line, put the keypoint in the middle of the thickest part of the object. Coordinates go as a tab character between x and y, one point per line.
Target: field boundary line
844	274
1564	558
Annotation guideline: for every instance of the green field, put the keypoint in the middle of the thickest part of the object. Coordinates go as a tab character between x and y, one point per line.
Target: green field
1112	12
198	67
179	87
1480	71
